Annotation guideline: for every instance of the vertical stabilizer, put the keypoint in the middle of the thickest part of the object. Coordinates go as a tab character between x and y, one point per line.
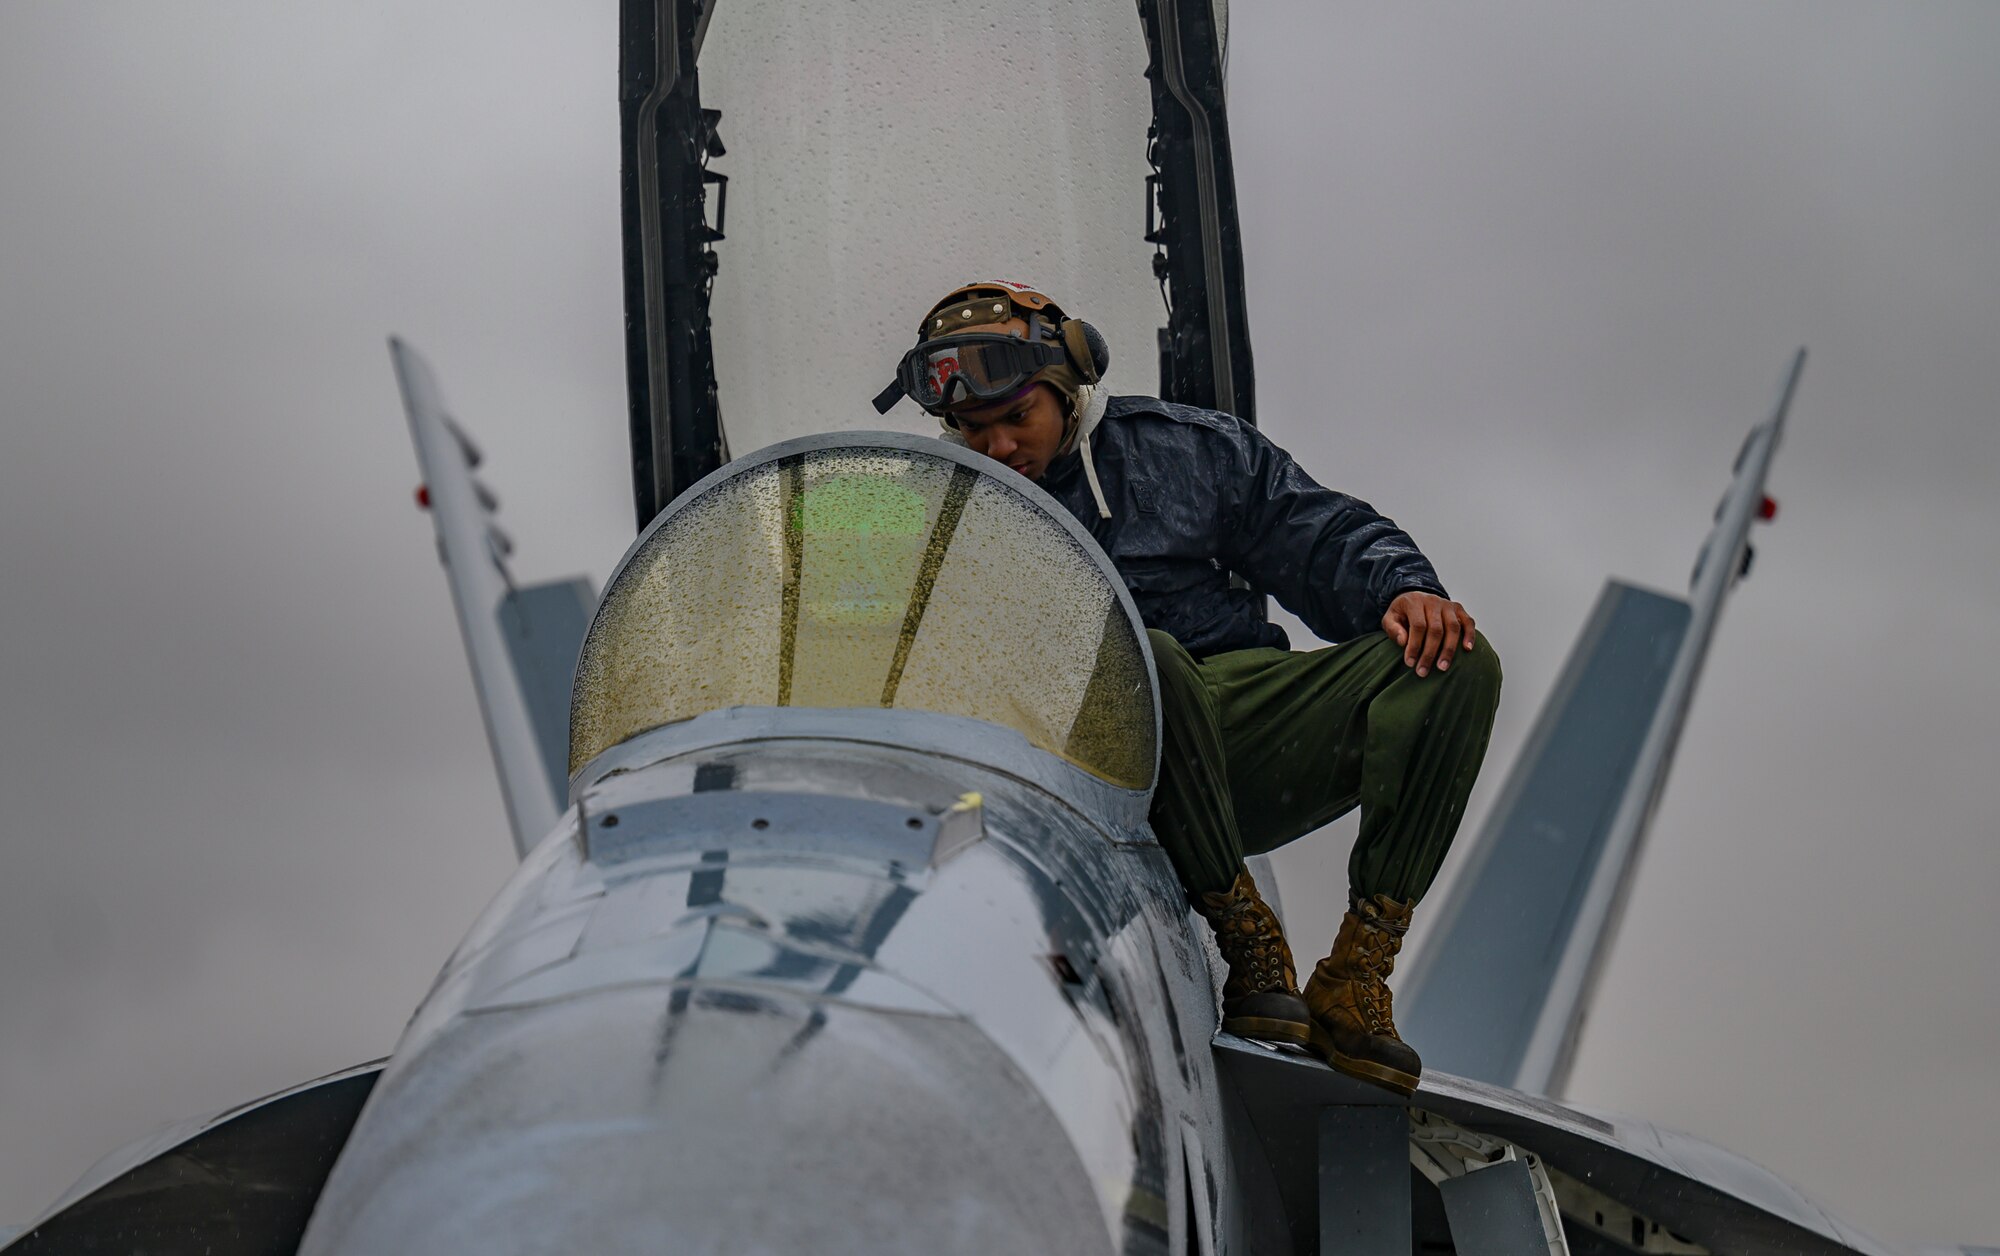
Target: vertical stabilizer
1472	1000
544	625
1501	991
522	642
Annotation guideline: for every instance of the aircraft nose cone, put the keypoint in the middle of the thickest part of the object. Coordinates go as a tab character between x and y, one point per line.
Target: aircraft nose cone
710	1120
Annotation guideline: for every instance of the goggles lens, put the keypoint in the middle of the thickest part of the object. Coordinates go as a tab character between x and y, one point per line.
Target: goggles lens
941	373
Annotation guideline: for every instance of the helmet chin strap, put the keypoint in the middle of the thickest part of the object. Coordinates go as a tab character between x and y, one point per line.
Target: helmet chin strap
1088	413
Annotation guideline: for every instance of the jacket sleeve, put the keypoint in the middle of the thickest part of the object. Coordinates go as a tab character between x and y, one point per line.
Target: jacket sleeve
1328	558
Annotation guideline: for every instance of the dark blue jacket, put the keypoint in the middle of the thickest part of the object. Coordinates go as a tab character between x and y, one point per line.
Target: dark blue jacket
1197	494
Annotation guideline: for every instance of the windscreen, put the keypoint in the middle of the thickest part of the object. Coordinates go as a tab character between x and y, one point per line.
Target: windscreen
882	153
870	576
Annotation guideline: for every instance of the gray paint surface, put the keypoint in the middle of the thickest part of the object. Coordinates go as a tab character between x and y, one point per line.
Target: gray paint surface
1364	1180
1493	1212
475	565
1708	1193
544	625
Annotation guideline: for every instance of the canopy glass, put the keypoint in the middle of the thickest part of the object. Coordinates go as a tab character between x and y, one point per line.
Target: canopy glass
880	154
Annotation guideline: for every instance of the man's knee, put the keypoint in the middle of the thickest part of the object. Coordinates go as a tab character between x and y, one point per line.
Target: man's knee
1476	669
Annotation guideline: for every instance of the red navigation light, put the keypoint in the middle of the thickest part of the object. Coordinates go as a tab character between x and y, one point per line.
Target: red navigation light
423	497
1767	509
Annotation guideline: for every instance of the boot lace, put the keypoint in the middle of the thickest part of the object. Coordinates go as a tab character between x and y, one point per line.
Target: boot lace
1253	947
1375	959
1378	925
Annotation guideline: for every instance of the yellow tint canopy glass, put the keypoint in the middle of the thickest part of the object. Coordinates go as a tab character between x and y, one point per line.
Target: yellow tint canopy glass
869	574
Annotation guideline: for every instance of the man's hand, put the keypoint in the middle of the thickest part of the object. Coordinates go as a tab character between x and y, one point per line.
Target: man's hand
1430	629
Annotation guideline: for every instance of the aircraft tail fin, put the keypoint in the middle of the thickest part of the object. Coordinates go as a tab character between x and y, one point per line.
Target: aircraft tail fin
1502	989
545	625
521	640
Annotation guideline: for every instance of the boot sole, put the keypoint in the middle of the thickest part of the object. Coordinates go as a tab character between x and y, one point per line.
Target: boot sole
1268	1029
1362	1070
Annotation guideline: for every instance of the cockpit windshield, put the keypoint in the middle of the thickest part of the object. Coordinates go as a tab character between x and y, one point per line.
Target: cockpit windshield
870	573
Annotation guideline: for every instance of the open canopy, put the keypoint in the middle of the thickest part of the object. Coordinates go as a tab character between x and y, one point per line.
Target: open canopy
801	181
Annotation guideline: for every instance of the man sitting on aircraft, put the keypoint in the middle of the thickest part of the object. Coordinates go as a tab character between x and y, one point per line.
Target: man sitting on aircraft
1262	744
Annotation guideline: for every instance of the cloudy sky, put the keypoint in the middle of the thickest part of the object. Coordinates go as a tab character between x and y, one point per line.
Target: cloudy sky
1522	280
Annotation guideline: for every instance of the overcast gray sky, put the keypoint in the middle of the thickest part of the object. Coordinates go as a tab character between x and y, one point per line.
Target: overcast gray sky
1522	279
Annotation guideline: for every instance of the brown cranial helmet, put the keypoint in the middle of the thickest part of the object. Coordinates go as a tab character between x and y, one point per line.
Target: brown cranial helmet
963	355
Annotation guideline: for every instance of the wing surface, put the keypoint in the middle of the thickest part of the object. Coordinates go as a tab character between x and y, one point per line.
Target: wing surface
1622	1185
238	1182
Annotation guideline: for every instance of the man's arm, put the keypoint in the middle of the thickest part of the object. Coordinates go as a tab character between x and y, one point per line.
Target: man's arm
1329	558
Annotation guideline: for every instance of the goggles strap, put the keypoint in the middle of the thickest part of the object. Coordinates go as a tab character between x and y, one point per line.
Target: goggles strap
886	400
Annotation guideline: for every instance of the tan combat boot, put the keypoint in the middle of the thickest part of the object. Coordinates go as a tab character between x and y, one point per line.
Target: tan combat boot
1261	997
1354	1028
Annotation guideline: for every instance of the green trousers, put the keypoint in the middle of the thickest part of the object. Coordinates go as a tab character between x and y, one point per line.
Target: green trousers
1264	746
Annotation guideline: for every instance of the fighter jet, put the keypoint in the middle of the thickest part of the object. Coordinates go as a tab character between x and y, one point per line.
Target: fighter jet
839	926
843	945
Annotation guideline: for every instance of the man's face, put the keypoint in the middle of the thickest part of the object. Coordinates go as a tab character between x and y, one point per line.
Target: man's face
1025	432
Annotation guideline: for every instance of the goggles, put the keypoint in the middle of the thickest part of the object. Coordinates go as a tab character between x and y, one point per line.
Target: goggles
973	366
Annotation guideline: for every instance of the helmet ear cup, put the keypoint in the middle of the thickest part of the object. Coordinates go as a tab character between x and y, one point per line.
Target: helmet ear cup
1088	352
